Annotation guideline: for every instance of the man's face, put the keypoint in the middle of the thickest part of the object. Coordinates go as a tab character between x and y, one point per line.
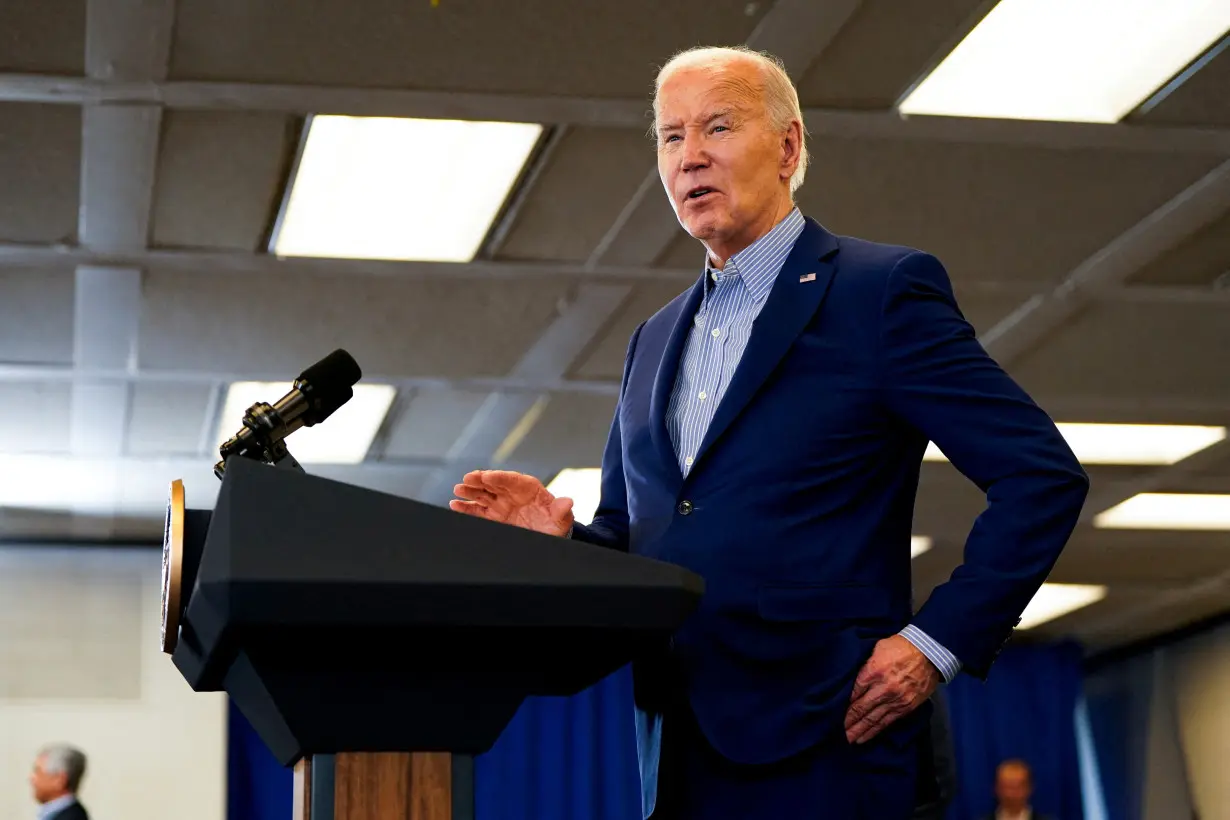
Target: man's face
46	786
1012	787
722	164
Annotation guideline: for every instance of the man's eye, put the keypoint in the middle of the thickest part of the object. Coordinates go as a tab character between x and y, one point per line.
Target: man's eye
671	138
720	128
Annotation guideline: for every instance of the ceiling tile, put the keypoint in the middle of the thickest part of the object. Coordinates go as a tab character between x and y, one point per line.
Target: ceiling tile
431	422
884	47
167	419
36	316
475	45
220	178
393	326
990	212
571	432
43	38
34	418
40	155
1128	350
605	359
591	175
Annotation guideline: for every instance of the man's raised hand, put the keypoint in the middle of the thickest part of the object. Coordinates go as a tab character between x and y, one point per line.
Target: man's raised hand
512	498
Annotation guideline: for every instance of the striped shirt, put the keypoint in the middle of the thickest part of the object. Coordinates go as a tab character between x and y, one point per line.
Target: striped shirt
732	300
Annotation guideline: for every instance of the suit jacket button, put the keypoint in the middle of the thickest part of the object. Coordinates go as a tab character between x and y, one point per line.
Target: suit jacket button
685	507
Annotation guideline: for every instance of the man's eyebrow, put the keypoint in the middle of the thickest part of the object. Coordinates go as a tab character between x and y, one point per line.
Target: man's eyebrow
675	125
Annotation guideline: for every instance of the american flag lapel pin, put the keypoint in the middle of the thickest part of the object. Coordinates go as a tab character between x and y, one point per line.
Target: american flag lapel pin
807	277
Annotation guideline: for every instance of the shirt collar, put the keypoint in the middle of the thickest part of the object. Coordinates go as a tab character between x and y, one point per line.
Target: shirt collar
758	264
51	807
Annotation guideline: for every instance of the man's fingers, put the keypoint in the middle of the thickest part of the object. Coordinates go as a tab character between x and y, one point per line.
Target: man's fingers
874	722
561	512
484	497
468	507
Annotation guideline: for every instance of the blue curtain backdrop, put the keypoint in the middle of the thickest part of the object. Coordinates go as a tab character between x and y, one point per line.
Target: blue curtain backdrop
564	759
1118	700
258	787
1025	709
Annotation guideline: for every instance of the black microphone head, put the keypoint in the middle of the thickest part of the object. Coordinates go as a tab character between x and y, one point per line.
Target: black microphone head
327	384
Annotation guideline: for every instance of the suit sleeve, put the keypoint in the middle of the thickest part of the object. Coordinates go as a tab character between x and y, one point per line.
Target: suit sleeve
609	527
937	377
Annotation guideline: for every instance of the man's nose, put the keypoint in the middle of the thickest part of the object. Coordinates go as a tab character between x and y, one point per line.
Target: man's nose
694	155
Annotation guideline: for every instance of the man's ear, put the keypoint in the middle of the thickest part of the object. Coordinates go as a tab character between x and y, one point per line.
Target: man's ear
792	149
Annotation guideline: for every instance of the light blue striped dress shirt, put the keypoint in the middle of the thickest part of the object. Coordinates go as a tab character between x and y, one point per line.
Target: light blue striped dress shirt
720	331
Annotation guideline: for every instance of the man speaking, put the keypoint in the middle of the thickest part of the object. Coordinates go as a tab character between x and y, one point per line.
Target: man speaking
769	435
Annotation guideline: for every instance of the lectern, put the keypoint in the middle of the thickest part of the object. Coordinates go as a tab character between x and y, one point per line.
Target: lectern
378	635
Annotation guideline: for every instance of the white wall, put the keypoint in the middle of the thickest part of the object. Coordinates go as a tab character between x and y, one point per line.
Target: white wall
1200	668
80	662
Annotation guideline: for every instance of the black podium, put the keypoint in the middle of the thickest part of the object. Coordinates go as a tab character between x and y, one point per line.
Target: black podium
389	633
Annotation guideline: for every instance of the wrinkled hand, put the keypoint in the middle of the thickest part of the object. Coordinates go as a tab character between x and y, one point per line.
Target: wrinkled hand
512	498
895	681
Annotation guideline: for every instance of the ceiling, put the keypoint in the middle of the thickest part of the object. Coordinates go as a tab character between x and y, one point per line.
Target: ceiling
146	149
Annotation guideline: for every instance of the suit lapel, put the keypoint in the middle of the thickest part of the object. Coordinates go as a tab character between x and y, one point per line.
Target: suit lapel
664	381
793	301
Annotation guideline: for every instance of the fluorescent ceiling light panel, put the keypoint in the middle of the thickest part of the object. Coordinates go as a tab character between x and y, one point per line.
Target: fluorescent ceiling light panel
1071	60
1128	443
343	438
1168	511
388	188
1054	600
583	486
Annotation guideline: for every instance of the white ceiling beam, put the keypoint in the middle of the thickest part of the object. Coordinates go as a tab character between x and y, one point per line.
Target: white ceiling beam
259	264
125	40
1194	208
796	31
599	112
505	418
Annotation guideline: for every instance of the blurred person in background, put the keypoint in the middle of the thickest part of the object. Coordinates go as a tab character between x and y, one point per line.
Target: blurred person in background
1013	788
55	779
769	435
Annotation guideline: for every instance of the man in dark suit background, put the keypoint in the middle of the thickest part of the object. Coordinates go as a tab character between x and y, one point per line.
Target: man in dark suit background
1013	789
55	779
769	435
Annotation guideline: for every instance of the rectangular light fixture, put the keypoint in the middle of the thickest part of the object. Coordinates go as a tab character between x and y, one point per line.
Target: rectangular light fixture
1168	511
919	544
343	438
584	486
1054	600
1140	444
391	188
1069	60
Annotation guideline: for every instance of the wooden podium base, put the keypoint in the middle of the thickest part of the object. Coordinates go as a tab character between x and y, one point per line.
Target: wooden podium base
384	786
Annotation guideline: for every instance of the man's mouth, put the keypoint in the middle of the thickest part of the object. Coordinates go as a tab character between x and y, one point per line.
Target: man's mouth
699	193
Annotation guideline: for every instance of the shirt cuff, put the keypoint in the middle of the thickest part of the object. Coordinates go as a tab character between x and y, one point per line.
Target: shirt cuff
944	660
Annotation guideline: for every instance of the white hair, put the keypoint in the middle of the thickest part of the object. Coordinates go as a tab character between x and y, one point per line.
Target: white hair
64	759
777	91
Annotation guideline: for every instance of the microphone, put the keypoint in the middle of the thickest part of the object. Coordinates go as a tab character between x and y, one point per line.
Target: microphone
317	393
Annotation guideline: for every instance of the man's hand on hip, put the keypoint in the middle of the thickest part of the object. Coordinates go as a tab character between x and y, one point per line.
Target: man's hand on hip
896	679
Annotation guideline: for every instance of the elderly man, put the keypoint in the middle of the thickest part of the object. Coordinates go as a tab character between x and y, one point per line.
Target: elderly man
55	779
769	434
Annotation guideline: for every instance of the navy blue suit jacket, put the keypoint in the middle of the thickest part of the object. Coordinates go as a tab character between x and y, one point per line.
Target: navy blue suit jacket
798	509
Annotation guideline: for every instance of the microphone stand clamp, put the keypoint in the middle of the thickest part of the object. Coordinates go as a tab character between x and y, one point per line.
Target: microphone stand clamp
257	441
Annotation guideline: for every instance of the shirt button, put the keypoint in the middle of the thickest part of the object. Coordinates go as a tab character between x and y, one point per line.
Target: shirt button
685	507
715	332
688	461
702	395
